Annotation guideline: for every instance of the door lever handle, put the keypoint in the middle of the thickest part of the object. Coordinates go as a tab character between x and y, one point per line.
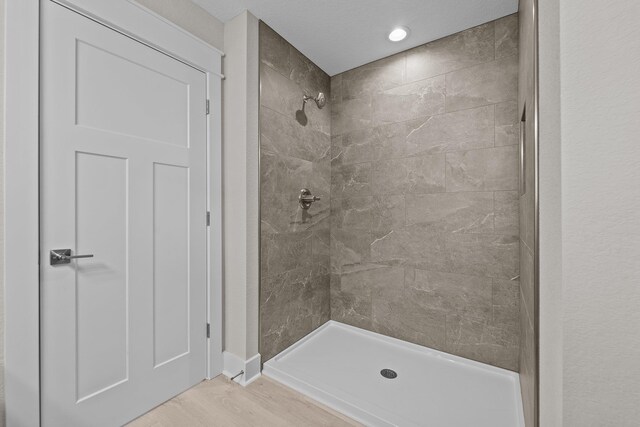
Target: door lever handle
63	256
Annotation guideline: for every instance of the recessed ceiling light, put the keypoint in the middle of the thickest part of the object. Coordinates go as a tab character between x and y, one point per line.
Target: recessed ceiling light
398	34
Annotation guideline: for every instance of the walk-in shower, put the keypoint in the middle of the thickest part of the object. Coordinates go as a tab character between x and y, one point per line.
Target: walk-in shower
390	230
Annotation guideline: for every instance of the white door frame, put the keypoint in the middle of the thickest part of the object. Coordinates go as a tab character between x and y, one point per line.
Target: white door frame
21	174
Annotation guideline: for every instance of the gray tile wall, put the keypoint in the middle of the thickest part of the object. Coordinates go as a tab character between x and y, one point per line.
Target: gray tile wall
424	195
527	98
294	288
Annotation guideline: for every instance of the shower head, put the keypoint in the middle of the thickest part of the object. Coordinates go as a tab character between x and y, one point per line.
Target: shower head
320	100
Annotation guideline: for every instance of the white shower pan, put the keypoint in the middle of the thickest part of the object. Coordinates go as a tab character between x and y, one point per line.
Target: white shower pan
340	366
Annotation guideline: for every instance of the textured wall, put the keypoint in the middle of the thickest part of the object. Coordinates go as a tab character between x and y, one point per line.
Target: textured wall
424	202
528	294
600	113
295	153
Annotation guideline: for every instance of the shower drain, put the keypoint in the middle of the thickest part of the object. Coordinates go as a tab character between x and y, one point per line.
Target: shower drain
388	373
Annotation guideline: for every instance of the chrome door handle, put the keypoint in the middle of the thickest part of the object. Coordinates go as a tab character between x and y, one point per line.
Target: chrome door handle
63	256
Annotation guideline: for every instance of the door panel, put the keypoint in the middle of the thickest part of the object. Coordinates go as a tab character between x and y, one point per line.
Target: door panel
123	177
170	262
158	107
102	295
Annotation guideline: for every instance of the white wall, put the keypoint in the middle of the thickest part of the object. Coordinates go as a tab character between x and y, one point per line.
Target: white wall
593	301
550	216
191	17
241	185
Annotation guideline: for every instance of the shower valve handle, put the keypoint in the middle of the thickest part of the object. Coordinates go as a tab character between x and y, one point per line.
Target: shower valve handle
305	199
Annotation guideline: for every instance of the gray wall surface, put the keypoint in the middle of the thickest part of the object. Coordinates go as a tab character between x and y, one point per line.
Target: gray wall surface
424	195
295	153
423	174
527	107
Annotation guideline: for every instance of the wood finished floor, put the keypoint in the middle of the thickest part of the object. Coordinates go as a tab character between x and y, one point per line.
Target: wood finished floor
263	403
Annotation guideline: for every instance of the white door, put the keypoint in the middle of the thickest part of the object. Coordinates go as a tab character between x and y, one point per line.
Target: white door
123	177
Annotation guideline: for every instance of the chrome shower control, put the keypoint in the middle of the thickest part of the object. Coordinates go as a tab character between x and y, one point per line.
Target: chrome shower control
305	199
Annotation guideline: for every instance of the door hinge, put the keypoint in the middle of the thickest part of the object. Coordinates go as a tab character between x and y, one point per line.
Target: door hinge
208	330
208	219
208	107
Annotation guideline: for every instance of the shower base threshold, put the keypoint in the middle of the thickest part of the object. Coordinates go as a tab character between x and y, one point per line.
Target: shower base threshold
342	367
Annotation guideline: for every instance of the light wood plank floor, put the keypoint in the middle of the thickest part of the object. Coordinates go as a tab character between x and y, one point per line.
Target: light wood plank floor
263	403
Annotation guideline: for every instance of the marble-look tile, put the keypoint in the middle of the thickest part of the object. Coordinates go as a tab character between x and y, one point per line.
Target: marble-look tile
270	173
283	135
460	50
387	213
279	93
354	213
507	123
506	293
453	293
527	280
286	175
308	75
506	301
356	146
277	212
319	297
374	77
507	36
295	153
389	141
506	212
321	249
425	174
351	181
350	115
387	248
372	280
485	255
287	251
452	212
274	50
410	101
292	305
311	219
349	248
491	169
349	308
461	130
336	152
406	315
336	89
482	340
484	84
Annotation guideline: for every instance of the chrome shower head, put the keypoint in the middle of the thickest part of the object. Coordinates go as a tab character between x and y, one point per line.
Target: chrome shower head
320	100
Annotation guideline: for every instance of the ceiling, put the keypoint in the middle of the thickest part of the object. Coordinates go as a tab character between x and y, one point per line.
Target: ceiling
342	34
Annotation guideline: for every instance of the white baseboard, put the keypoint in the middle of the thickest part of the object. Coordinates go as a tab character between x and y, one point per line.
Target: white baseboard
233	365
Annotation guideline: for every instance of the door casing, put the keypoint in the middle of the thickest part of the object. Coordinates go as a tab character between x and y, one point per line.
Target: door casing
21	174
